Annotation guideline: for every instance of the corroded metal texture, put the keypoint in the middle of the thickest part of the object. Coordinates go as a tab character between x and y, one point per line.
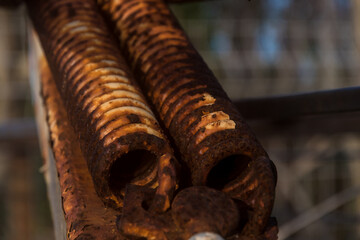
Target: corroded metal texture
120	137
77	190
215	143
194	210
201	209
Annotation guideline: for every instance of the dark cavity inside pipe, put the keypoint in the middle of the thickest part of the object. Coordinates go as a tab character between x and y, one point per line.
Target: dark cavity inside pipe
227	170
133	165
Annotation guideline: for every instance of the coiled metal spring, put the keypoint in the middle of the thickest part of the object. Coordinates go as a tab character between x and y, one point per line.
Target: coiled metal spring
215	142
120	137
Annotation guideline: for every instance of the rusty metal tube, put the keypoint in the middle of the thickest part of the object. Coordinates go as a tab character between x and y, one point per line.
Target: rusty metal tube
119	135
214	140
77	190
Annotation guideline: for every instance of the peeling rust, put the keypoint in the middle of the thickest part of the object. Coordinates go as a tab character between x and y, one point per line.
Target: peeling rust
214	141
119	135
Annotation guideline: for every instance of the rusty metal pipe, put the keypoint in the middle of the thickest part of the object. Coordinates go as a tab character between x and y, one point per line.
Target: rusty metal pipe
77	190
119	135
215	142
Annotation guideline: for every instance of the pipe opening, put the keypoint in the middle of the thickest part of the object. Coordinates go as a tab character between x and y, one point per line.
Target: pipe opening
134	165
227	170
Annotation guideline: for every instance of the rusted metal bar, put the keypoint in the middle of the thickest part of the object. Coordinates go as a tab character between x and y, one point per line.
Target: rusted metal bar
120	137
86	217
302	104
215	143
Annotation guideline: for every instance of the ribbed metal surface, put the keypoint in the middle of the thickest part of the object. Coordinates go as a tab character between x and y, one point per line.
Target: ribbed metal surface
120	137
76	188
214	140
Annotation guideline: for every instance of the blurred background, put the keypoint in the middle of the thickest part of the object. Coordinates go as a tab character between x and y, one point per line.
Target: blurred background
257	48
